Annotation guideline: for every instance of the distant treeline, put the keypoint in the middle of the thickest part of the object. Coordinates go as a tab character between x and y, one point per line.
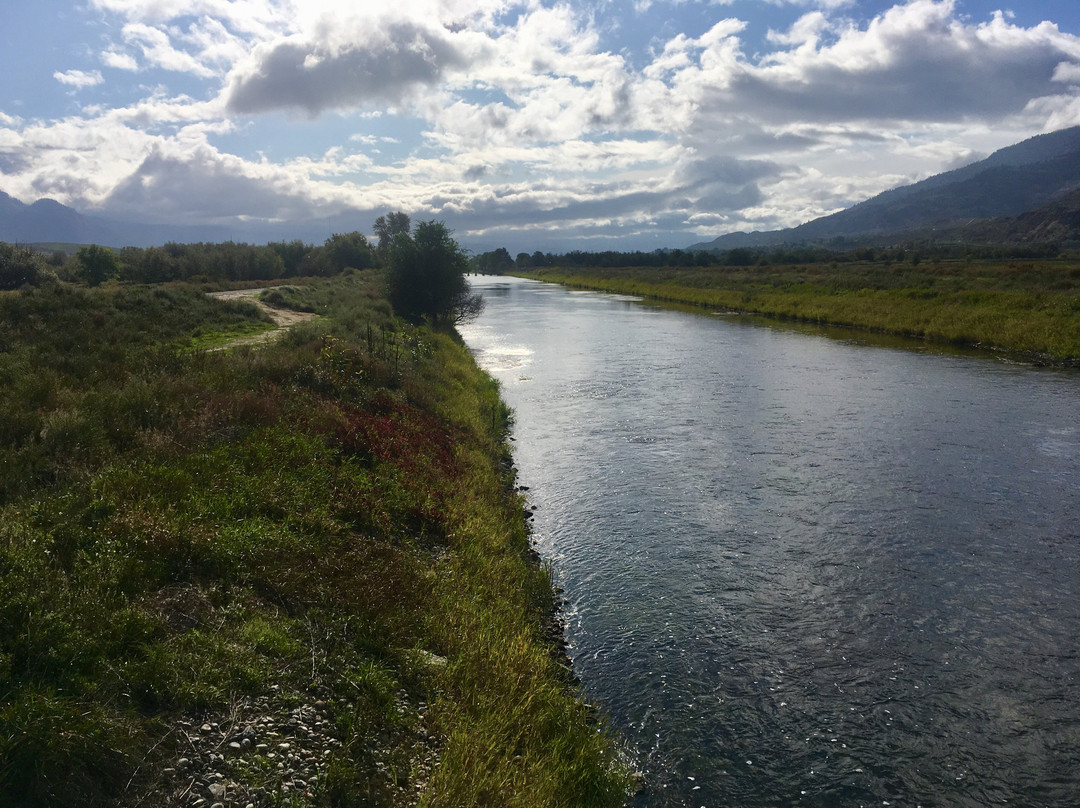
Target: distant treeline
228	261
498	261
236	262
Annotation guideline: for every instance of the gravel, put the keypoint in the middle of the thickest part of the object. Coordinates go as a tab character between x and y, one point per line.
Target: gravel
264	754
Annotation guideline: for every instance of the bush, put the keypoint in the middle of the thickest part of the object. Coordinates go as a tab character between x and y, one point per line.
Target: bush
21	267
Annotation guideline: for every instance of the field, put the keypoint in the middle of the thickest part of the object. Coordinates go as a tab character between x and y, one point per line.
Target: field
1030	310
291	575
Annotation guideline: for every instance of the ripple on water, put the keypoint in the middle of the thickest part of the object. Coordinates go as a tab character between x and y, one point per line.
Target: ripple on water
802	571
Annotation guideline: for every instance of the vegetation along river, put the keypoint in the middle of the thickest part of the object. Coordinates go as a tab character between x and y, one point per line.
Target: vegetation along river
802	570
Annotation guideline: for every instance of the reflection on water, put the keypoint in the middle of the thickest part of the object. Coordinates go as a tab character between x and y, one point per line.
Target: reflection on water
801	570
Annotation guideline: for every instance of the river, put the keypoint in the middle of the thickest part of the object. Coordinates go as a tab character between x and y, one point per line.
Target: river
802	569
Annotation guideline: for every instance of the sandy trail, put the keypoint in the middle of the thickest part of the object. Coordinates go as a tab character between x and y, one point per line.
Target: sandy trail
283	318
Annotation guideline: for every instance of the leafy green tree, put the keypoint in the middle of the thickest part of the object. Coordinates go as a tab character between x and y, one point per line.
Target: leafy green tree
292	255
495	262
96	264
426	276
349	250
390	226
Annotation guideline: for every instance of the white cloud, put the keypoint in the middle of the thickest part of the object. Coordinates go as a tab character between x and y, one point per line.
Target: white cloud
805	31
120	61
915	62
1067	73
524	119
79	78
259	18
158	50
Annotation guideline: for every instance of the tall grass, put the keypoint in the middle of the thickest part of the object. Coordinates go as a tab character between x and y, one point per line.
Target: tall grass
321	517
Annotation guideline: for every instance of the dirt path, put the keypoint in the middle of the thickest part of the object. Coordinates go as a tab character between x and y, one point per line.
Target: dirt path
283	318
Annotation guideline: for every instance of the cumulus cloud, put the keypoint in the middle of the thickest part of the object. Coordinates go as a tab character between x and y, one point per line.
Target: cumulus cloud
312	75
915	62
158	50
119	60
79	78
177	183
514	114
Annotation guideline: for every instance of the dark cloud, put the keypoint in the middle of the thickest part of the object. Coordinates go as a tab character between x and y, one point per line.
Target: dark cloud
728	171
723	183
199	187
473	173
922	86
308	76
14	163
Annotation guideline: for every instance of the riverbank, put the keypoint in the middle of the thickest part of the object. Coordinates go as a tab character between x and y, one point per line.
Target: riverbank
1031	310
297	574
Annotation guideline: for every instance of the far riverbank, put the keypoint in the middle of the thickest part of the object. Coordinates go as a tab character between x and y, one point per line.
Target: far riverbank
1030	311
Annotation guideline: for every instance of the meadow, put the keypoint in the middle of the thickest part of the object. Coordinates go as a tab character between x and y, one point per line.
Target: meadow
329	522
1030	310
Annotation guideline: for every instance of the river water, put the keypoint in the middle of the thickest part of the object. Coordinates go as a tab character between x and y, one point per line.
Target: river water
802	570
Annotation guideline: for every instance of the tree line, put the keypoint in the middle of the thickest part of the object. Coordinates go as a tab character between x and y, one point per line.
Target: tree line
227	261
238	262
424	267
499	261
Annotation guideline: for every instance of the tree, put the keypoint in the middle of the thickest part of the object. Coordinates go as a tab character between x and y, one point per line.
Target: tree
349	250
426	276
389	226
495	262
96	264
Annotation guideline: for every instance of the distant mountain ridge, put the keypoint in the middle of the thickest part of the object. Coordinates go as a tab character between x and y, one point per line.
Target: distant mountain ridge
1012	181
49	221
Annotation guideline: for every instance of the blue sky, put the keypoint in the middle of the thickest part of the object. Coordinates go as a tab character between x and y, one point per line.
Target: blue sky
530	125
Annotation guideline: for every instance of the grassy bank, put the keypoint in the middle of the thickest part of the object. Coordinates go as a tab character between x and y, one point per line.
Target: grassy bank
297	575
1029	309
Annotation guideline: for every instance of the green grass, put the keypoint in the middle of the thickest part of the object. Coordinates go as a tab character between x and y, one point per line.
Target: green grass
208	340
321	517
1031	310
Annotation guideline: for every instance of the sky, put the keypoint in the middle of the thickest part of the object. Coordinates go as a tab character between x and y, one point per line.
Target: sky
581	124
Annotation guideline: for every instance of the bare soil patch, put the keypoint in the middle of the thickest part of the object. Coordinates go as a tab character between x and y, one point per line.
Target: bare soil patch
283	318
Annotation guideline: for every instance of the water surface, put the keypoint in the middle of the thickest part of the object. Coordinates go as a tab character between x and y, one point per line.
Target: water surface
802	570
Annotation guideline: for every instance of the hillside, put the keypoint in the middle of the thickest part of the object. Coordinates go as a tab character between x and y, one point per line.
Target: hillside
1010	182
1057	221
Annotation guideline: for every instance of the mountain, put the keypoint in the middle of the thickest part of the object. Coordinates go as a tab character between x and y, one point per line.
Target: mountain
1010	182
48	221
1057	221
